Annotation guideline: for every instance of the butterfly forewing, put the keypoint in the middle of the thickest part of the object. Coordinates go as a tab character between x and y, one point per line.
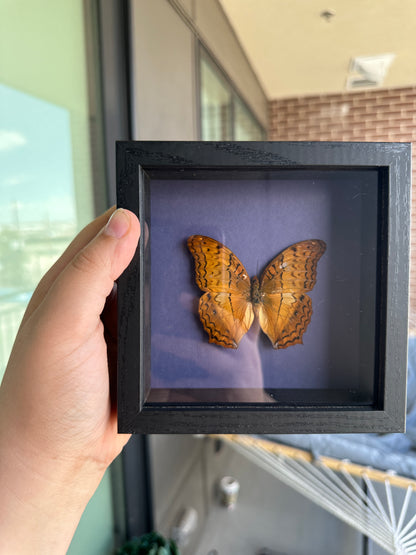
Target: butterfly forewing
294	269
217	269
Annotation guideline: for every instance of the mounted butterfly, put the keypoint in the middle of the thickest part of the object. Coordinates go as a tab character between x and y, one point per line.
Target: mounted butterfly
231	300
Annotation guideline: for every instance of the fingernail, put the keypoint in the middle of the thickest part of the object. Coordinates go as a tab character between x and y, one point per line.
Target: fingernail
118	225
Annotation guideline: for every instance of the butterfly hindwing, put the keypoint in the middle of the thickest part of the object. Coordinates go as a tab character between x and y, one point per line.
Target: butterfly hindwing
225	309
284	318
286	310
225	317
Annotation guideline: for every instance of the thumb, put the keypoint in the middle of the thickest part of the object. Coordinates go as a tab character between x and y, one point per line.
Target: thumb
77	297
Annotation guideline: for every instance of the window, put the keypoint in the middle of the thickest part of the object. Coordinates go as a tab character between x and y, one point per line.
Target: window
46	177
37	207
224	115
246	127
51	180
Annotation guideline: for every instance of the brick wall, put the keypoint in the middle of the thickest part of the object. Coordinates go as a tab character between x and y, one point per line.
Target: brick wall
377	115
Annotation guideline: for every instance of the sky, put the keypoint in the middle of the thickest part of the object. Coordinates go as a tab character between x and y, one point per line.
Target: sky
36	172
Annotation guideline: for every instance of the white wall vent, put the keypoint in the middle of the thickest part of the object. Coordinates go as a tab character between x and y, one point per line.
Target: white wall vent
368	71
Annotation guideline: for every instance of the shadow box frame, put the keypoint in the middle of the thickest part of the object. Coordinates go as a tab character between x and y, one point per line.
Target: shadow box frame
167	170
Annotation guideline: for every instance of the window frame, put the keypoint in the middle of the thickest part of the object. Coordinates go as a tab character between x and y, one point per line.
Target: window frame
130	472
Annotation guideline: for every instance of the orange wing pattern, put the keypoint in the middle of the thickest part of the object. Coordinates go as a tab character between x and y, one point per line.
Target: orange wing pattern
286	310
231	299
225	309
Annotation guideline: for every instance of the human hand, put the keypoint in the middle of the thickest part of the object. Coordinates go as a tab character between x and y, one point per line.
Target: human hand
58	430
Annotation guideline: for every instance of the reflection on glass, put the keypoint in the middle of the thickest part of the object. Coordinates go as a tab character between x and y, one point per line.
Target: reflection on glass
37	211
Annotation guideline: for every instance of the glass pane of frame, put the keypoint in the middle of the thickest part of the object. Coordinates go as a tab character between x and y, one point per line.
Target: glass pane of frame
317	301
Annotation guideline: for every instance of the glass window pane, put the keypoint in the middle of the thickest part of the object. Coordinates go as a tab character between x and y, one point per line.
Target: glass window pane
45	156
224	116
37	206
246	127
216	105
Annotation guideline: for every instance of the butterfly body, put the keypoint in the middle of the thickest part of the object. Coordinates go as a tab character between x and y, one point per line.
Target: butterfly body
256	294
231	300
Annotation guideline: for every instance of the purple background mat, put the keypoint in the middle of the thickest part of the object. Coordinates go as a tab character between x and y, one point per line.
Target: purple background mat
256	219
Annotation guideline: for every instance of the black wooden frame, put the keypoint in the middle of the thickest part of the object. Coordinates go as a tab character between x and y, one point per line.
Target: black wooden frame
138	161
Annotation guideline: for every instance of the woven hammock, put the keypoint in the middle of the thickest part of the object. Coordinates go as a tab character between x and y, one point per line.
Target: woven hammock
345	489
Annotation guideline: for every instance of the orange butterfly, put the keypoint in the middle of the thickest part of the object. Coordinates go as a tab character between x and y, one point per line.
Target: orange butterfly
278	300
